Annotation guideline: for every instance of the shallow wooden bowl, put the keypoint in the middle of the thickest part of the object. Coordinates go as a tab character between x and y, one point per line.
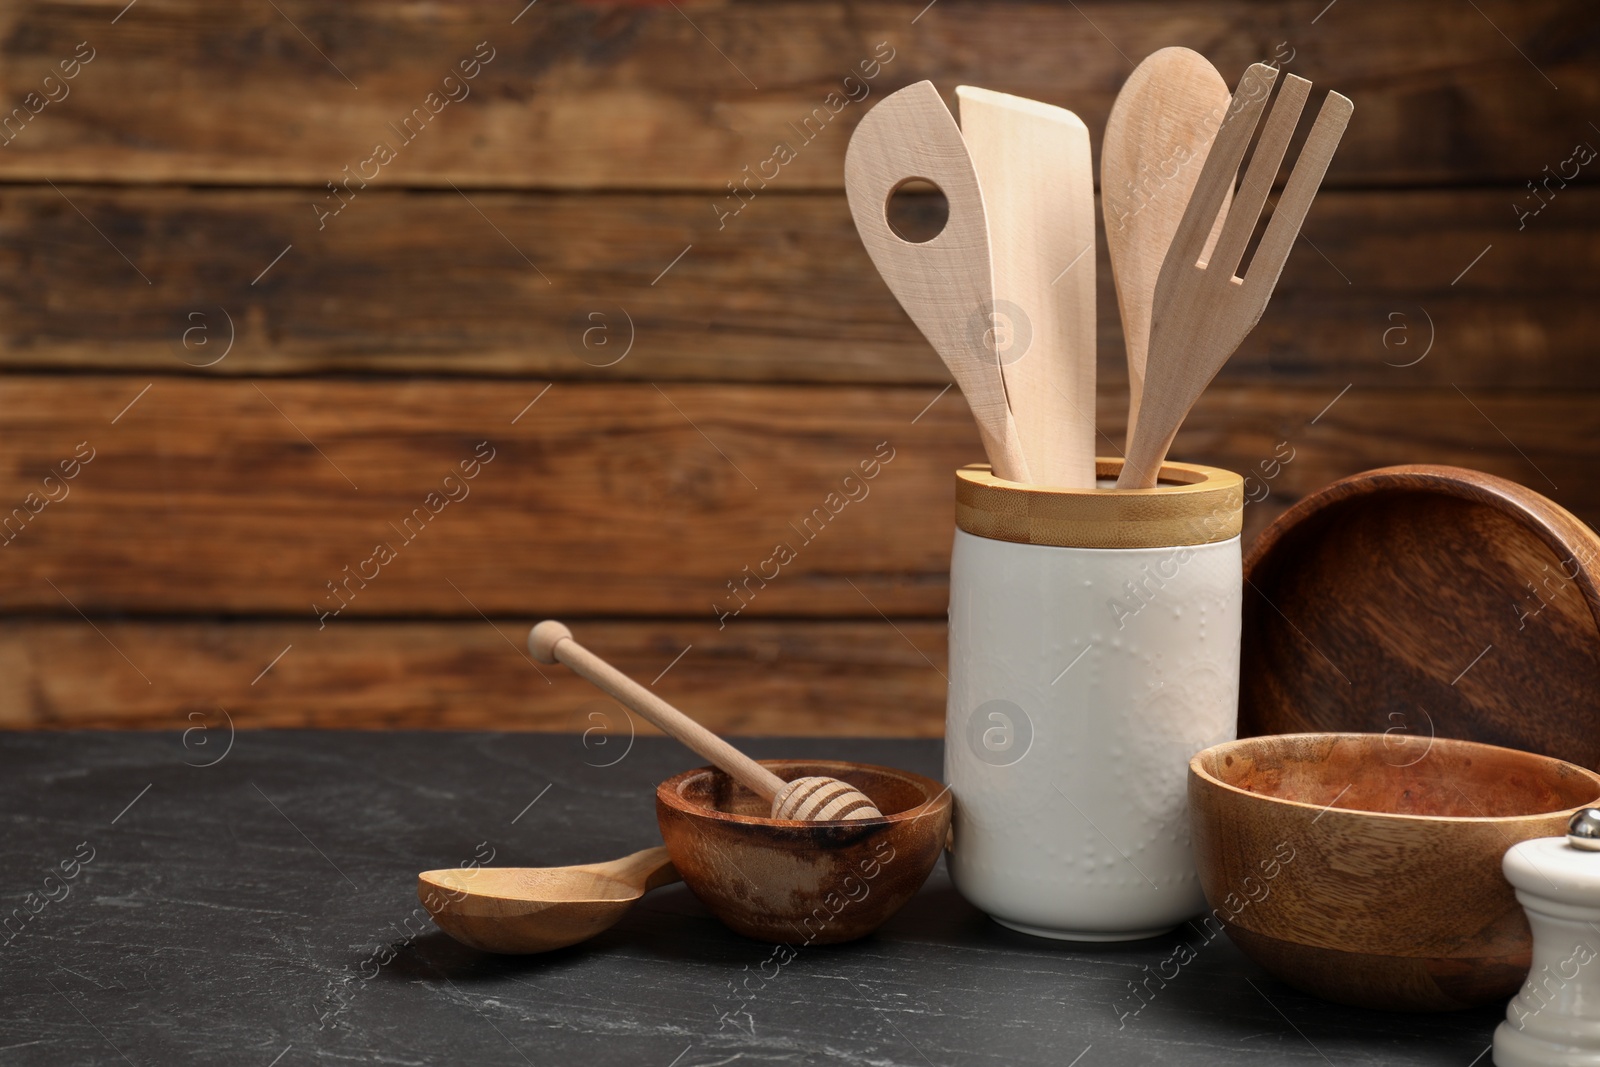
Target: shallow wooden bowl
803	883
1365	868
1426	600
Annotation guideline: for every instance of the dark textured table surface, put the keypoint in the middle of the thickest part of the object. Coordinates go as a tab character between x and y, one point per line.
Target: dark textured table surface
262	911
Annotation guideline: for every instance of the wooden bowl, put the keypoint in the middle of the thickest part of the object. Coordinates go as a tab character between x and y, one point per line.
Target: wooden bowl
1426	600
803	883
1365	868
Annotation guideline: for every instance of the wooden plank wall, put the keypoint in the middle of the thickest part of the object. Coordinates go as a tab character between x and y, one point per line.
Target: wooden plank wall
284	283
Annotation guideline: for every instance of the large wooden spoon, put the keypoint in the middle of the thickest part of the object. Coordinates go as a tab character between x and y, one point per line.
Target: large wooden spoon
536	909
1160	131
810	799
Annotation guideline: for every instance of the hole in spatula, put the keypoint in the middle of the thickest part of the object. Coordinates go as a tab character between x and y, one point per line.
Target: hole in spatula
917	210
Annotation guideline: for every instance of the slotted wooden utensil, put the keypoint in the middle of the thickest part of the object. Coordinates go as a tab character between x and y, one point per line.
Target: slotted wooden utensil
1158	136
946	284
1202	310
1034	167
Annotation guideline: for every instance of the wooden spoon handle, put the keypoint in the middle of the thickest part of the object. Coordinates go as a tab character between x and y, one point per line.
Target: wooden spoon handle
551	642
651	868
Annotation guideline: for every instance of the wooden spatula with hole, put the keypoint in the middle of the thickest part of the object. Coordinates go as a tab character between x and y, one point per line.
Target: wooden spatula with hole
946	284
1202	310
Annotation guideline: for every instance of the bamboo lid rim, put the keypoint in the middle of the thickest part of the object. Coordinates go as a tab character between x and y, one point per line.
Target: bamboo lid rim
1190	505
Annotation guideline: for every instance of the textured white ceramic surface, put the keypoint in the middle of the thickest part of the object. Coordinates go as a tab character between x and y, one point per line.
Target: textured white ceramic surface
1081	682
1555	1018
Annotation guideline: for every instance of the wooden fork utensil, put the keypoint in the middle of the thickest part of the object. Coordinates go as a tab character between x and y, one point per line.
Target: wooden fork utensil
1202	311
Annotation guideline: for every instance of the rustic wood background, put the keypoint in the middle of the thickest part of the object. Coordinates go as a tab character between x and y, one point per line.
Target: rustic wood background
267	391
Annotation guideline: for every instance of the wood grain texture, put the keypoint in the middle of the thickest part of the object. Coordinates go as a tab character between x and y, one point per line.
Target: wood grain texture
1365	868
804	883
1194	505
1157	138
524	910
1033	162
628	95
752	677
945	283
422	283
1426	601
230	497
1202	310
608	160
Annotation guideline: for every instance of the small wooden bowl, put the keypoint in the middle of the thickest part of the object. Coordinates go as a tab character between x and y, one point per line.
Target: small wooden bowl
803	883
1365	868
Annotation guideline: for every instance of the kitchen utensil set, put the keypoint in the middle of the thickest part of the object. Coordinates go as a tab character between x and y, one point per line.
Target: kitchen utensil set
537	909
767	864
1005	292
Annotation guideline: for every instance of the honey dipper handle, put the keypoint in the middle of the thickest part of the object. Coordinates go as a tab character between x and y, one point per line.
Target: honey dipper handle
551	642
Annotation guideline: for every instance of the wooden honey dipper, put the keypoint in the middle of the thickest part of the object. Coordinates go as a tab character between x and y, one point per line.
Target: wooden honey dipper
812	799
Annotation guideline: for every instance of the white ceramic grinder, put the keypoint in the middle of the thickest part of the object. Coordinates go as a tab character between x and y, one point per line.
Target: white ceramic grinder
1094	648
1554	1020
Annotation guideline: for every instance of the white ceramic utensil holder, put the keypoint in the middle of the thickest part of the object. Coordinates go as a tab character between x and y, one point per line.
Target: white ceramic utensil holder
1094	648
1554	1020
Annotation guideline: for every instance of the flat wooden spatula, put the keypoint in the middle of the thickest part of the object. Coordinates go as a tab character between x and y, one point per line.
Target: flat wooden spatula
1034	166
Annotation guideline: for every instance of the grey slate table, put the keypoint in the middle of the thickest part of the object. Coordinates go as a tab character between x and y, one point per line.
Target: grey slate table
261	911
